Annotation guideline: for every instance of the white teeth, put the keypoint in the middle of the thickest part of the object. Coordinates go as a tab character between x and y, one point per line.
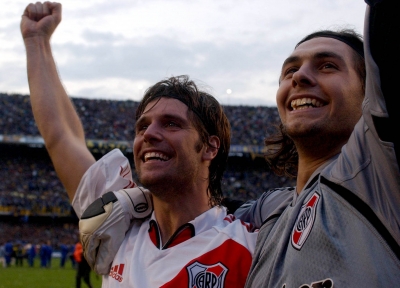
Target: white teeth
303	103
155	155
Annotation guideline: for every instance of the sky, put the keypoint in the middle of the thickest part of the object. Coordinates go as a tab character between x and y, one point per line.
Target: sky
116	49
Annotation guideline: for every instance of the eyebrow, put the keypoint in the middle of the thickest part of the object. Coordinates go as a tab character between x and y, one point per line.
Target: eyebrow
318	55
164	117
139	121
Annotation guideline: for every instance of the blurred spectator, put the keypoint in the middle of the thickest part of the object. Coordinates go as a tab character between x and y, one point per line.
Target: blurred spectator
43	252
19	254
31	251
71	255
49	253
8	252
2	256
83	269
64	250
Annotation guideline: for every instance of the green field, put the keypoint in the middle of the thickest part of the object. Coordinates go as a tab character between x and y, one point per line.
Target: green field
36	277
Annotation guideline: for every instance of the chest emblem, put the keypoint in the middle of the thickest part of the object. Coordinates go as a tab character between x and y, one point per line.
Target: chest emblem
305	221
206	276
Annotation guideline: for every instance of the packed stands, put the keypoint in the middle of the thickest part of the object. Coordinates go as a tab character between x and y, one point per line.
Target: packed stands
114	120
29	187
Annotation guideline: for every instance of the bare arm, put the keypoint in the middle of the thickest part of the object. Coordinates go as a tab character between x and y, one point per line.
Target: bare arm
54	112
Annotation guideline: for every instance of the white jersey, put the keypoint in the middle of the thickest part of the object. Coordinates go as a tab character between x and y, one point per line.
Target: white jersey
213	250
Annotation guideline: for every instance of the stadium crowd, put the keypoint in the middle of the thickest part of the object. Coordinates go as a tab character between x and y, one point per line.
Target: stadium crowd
30	187
115	120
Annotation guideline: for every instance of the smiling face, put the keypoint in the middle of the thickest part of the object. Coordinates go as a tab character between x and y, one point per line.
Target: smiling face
320	94
167	147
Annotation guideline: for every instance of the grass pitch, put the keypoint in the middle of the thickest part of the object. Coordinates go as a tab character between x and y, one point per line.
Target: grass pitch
36	277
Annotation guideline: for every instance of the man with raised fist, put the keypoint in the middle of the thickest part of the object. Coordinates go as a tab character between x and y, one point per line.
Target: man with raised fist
181	145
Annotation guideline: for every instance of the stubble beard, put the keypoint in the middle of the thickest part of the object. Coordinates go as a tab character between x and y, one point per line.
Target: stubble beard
169	184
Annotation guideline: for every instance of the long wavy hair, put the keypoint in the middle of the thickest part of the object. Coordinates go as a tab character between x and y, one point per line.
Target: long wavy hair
208	117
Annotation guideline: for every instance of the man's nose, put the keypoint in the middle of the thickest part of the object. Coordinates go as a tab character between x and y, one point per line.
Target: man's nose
305	76
153	133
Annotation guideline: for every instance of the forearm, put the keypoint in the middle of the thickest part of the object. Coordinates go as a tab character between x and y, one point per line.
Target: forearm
54	112
49	100
56	117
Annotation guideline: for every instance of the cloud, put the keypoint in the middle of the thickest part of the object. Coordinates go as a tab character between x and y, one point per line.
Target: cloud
232	64
117	49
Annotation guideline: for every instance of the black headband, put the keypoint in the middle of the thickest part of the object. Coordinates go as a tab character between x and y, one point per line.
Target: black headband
354	43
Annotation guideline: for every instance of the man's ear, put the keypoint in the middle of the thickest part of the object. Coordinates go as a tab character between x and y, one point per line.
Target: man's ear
211	150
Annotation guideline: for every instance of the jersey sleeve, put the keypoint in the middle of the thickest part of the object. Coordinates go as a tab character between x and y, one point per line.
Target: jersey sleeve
368	166
110	173
270	205
381	45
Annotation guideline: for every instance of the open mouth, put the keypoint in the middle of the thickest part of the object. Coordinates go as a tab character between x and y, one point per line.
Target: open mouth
304	103
155	156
